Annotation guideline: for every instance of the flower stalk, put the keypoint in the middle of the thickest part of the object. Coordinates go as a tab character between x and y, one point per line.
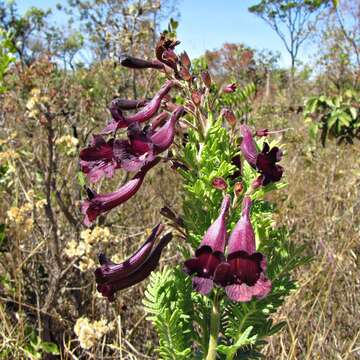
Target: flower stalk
214	327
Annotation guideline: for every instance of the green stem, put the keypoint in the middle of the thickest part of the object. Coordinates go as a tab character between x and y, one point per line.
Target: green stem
214	328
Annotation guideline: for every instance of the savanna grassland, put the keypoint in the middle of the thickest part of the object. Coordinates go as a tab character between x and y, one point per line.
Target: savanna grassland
50	104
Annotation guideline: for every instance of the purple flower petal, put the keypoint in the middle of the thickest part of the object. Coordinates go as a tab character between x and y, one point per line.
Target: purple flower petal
97	160
266	164
215	237
210	252
101	203
202	285
136	63
244	293
109	271
141	273
153	106
248	146
164	137
242	237
125	104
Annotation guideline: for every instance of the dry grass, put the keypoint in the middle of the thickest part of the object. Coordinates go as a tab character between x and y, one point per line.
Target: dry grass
322	205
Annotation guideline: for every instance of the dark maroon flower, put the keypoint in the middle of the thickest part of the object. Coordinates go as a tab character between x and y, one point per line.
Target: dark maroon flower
144	144
236	160
125	104
97	204
112	277
265	161
147	112
97	160
243	274
210	252
135	63
230	88
135	152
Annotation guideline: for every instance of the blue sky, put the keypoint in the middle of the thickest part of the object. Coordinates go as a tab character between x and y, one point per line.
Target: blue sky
207	24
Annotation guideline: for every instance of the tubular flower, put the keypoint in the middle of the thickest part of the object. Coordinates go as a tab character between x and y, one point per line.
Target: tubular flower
264	162
147	112
97	160
97	204
125	104
210	253
145	144
112	277
243	274
164	137
135	63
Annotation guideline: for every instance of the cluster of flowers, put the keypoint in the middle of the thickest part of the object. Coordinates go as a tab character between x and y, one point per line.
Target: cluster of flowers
138	152
242	272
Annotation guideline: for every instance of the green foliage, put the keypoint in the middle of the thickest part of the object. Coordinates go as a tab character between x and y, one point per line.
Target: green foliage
244	326
168	303
35	348
7	57
334	116
241	99
208	160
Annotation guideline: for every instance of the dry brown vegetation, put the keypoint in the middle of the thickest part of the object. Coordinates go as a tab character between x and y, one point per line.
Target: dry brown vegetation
47	257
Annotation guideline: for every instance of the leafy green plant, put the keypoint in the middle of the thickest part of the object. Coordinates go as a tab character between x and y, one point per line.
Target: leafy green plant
334	116
7	57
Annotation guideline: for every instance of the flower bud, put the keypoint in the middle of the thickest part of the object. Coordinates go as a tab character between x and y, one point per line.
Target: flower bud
196	98
185	60
238	188
219	183
230	88
205	76
257	182
262	132
185	74
229	116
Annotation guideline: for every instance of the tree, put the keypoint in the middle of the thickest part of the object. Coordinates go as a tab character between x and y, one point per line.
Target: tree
25	29
290	19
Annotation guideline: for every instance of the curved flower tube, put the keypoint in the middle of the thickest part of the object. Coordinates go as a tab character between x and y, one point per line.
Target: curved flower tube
112	277
97	204
243	274
164	137
126	104
264	162
136	63
148	111
143	145
159	120
210	252
97	160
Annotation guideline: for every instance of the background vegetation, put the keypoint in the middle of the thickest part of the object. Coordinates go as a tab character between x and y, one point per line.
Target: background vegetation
51	100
